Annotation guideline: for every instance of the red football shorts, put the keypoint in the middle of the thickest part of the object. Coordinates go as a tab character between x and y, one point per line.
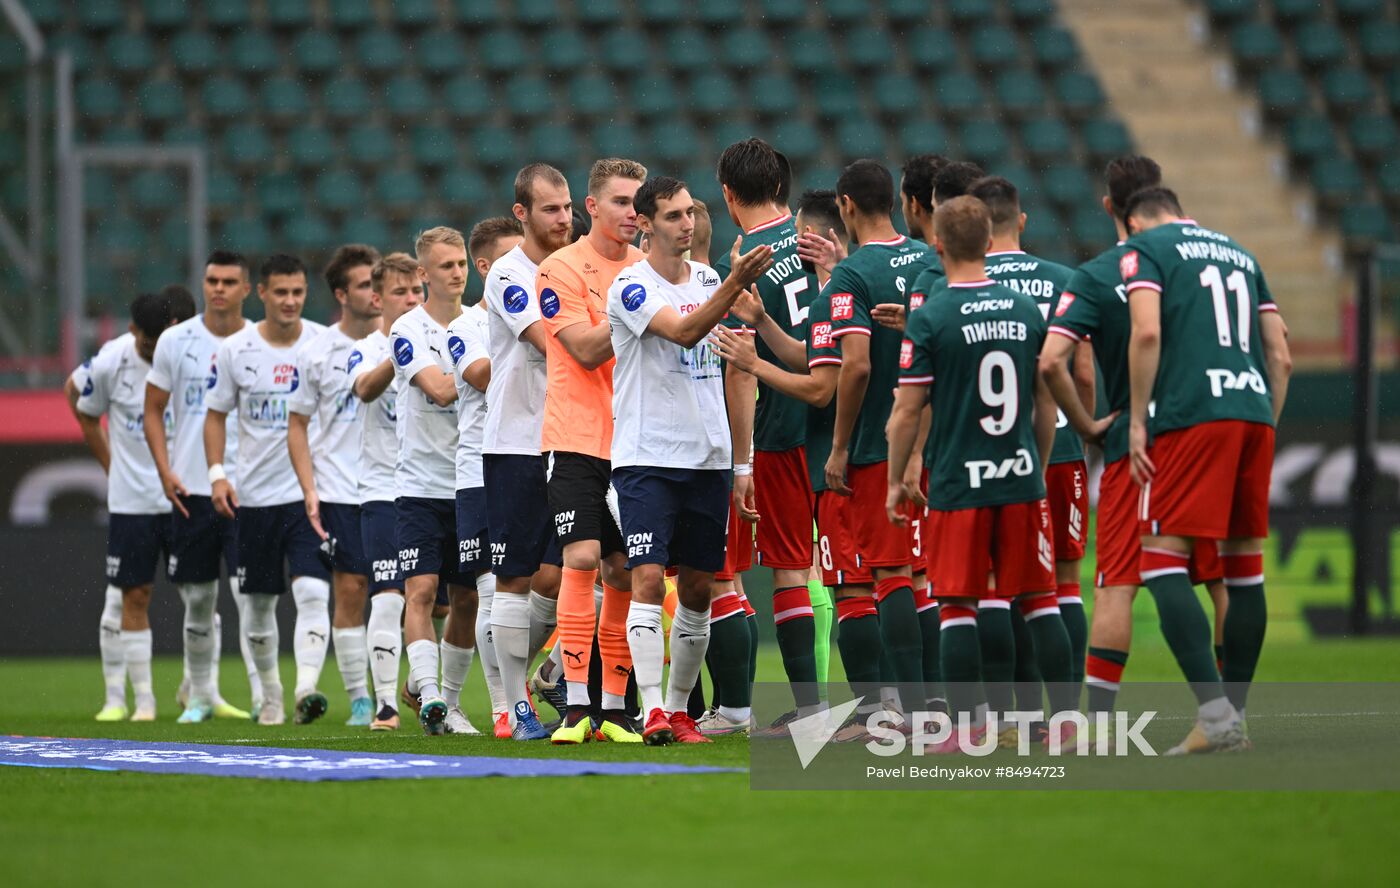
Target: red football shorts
1011	543
1119	539
738	547
836	548
783	495
1067	492
880	543
1212	482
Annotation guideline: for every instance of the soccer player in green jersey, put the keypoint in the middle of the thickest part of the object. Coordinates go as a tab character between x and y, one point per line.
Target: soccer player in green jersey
986	487
878	271
1209	351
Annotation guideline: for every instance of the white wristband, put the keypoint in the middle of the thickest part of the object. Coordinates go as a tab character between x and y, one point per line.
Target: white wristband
217	473
742	469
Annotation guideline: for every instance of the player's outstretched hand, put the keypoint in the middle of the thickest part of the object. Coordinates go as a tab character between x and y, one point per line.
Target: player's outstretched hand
1139	463
895	498
313	514
735	347
823	252
747	268
175	489
836	472
744	499
225	498
889	314
748	307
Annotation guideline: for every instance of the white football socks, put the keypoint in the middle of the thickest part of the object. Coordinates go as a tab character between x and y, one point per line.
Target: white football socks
423	668
385	646
200	600
690	638
544	619
312	631
511	623
109	642
486	642
250	664
350	657
456	663
261	636
136	650
648	652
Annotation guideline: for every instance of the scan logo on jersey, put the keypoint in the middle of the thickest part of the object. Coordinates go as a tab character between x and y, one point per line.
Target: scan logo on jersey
515	299
633	295
403	352
353	361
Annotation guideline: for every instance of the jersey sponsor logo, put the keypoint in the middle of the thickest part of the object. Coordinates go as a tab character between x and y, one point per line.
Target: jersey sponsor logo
639	544
498	554
1222	381
1066	300
979	470
916	301
821	335
354	360
408	558
906	259
633	295
564	522
515	299
1128	265
987	305
906	354
403	351
549	302
707	279
456	347
842	306
288	375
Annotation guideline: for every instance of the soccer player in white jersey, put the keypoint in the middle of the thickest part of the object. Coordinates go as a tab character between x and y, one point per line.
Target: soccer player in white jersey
328	463
425	475
255	376
138	524
671	449
525	556
182	374
394	282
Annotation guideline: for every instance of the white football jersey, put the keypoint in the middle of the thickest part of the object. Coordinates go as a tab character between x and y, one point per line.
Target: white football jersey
426	465
467	343
324	393
668	401
115	385
379	436
185	367
255	383
515	396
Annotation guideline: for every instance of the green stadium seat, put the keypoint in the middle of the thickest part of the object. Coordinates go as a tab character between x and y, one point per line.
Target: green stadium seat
495	146
985	141
194	53
534	13
1365	224
662	13
869	48
399	190
120	241
307	232
1026	182
379	52
1256	45
247	147
1030	11
129	53
463	188
433	146
798	139
351	15
846	12
317	53
746	49
411	15
563	51
529	96
836	96
224	98
289	15
721	14
810	50
285	101
122	134
1053	47
1020	93
310	148
1079	93
712	94
1231	11
99	188
246	235
781	13
1067	185
47	14
1388	181
360	229
1337	180
11	151
254	54
1310	136
618	138
78	44
1347	89
932	49
1046	138
100	15
408	98
501	50
703	185
161	101
960	93
688	49
596	13
896	95
675	143
734	130
1380	44
1091	230
370	147
1294	12
593	95
625	50
923	137
439	53
153	190
1319	44
156	273
554	143
465	99
184	133
971	11
773	94
228	15
654	97
858	137
12	55
225	193
1392	91
907	12
995	47
346	99
1283	92
279	194
1359	11
476	13
1373	136
1105	138
339	190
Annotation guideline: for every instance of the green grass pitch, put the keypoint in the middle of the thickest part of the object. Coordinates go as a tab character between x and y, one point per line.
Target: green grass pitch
71	827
